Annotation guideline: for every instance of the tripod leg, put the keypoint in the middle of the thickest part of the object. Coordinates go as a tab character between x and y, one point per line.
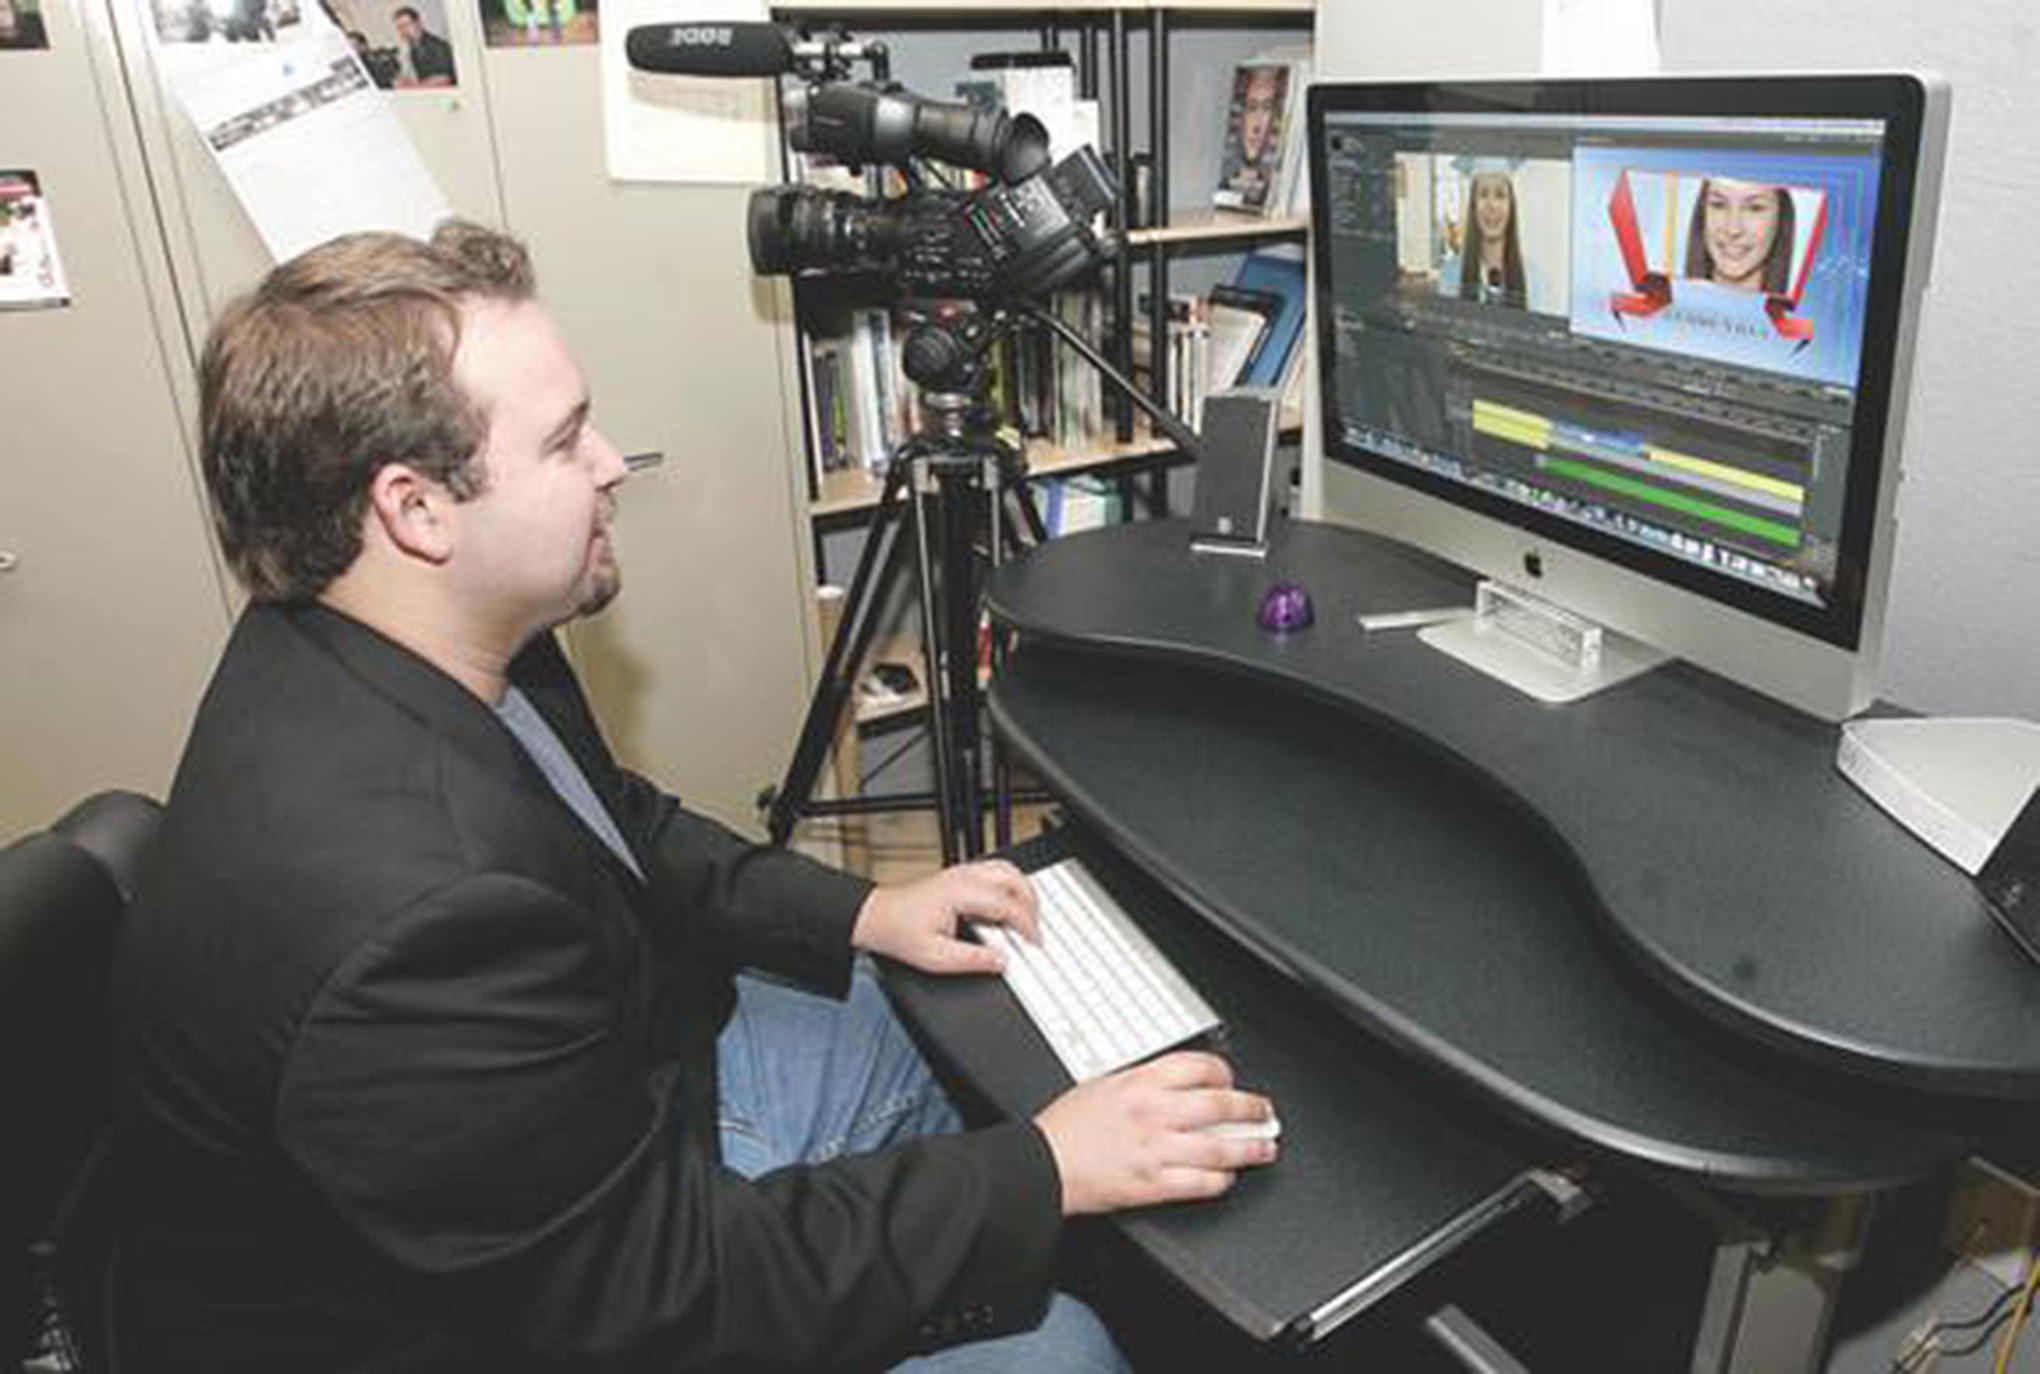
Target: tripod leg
847	648
1023	529
965	508
936	656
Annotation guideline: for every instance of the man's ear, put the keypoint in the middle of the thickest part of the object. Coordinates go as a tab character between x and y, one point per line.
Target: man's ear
412	511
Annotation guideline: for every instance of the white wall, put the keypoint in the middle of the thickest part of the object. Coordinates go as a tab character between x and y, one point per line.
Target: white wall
1963	635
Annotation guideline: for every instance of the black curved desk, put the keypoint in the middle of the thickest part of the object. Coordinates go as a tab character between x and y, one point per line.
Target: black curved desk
1713	840
1655	929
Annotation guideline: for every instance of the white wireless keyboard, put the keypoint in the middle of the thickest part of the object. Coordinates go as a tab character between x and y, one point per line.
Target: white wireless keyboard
1098	991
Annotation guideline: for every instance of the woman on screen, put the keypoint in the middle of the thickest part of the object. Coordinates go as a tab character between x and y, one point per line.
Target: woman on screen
1491	263
1740	236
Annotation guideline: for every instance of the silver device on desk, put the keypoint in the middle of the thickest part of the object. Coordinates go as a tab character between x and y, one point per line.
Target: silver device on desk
1097	989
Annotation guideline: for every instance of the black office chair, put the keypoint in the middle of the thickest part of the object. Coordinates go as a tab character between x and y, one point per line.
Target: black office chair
62	893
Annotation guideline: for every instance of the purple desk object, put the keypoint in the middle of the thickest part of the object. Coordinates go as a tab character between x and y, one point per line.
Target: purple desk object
1285	609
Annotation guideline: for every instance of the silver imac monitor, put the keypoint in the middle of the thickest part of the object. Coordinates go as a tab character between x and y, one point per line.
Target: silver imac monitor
1639	347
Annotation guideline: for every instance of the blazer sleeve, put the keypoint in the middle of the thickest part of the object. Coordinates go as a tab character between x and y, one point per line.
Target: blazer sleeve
463	1095
758	906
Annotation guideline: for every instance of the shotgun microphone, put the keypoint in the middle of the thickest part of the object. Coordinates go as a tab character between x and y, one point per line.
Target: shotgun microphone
710	49
736	48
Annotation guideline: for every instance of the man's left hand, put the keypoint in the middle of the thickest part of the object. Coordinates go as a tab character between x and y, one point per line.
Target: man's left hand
919	923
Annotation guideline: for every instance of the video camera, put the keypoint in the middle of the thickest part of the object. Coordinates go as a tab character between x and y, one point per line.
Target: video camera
1025	233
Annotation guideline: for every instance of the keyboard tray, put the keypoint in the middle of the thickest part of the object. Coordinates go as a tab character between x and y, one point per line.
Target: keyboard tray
1375	1184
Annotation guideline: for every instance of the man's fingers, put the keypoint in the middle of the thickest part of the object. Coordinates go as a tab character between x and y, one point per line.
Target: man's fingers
994	890
1189	1069
1184	1183
1208	1106
964	956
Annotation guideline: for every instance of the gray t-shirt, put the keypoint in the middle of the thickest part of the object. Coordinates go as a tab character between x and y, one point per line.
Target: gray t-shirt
566	777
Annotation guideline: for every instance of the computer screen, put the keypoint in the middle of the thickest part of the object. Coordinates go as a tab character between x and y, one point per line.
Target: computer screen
1639	345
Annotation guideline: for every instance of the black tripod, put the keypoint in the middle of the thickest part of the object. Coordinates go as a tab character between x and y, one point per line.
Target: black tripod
956	483
956	480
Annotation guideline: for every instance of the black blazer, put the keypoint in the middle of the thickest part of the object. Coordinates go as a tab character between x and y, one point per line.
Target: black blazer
417	1075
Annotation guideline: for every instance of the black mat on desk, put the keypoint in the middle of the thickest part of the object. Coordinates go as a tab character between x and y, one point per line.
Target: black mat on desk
1374	1180
1406	892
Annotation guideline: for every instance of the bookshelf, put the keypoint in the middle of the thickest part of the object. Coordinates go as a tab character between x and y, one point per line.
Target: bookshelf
847	495
1197	226
1102	40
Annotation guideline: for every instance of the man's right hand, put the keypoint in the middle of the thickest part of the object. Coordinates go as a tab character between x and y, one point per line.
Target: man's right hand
1131	1139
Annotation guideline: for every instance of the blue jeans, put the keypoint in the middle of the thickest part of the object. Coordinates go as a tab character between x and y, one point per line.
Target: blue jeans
806	1079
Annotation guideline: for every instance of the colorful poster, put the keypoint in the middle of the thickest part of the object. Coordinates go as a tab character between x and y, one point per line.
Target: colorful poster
539	23
31	274
21	24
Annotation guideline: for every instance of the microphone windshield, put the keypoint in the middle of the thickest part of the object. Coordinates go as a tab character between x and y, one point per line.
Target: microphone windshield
710	49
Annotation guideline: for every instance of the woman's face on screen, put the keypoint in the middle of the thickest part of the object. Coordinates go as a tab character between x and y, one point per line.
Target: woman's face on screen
1740	224
1492	203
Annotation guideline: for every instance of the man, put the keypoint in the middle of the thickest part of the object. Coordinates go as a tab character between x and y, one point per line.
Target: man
429	57
433	1054
380	63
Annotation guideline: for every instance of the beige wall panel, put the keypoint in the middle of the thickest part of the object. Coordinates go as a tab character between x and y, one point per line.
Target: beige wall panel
700	670
113	610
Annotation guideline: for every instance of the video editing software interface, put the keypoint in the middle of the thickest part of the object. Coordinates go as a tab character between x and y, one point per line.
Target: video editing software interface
1647	326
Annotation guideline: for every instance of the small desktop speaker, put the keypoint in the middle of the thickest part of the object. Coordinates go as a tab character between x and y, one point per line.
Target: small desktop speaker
1235	471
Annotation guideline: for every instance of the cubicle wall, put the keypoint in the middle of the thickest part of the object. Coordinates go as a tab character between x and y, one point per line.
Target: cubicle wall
700	672
111	607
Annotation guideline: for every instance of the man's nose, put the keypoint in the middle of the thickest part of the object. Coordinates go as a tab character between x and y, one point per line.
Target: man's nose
607	458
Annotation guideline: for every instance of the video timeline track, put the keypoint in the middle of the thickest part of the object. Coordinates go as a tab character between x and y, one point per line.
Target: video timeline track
1732	497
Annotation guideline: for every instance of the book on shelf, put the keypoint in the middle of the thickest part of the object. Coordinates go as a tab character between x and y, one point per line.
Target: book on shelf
1079	502
1276	272
1240	321
861	401
1187	349
1263	165
1262	106
1292	191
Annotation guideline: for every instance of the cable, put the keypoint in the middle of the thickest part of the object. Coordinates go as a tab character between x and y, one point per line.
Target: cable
2018	1318
1987	1315
1982	1337
1992	1318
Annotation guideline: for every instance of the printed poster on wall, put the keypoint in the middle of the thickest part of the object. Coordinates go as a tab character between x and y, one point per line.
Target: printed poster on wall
31	274
402	44
309	145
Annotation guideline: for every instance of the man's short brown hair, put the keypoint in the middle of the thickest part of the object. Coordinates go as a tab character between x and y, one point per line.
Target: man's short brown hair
339	362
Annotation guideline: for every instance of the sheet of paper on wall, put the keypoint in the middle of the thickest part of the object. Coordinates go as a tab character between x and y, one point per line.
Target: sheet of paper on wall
1600	38
31	274
309	145
684	128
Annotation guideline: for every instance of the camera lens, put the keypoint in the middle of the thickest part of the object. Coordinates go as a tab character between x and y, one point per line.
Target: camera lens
800	228
796	228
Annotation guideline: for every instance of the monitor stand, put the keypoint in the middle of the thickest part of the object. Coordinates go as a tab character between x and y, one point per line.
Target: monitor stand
1540	649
